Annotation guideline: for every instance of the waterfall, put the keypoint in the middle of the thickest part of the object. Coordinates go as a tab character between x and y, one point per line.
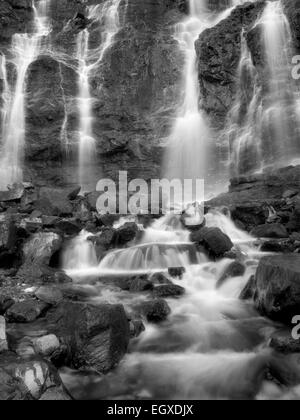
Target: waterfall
89	60
263	125
24	50
243	132
280	115
80	253
187	148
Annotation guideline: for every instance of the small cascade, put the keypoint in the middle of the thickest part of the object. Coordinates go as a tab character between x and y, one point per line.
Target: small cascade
24	50
212	340
89	60
80	254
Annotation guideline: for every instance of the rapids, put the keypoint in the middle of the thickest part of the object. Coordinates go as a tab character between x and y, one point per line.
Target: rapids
213	345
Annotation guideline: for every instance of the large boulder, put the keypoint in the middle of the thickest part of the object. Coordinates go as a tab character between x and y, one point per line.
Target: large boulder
276	288
95	336
156	310
213	240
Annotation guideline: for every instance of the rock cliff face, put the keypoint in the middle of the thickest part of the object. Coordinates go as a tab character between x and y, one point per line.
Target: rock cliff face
219	51
135	88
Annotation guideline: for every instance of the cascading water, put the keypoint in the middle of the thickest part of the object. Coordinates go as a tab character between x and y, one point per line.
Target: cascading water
213	345
187	148
189	153
243	132
263	125
24	50
280	117
89	60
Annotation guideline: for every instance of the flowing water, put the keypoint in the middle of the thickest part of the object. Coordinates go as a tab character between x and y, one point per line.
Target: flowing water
24	50
188	145
213	346
89	61
263	126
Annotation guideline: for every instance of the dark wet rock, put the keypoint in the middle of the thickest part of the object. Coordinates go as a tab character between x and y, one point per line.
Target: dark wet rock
104	240
26	379
54	202
283	341
160	278
140	284
156	310
235	269
69	226
277	287
277	246
26	311
137	327
49	295
214	241
274	230
5	303
72	194
168	290
126	233
96	336
176	272
249	290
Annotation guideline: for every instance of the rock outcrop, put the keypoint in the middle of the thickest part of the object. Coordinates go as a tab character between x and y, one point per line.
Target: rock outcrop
276	287
219	50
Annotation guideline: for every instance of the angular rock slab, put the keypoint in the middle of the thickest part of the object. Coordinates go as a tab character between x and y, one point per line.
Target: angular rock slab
95	336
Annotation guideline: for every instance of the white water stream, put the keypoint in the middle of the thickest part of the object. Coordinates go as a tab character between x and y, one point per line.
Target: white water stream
24	50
